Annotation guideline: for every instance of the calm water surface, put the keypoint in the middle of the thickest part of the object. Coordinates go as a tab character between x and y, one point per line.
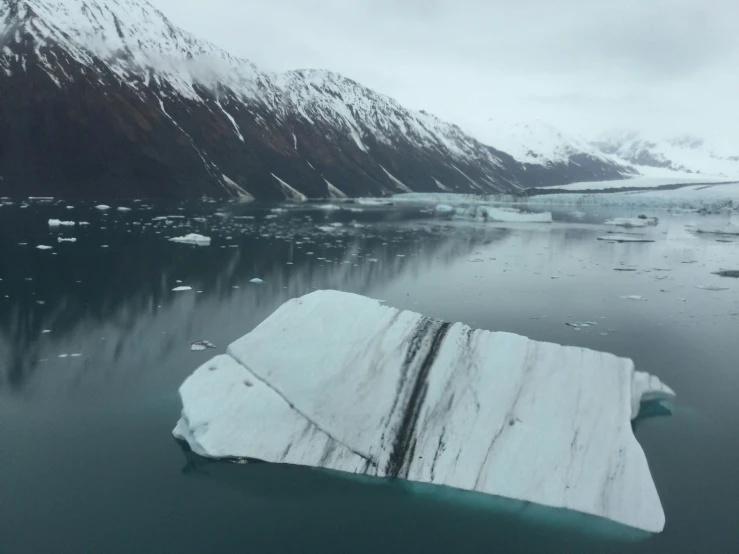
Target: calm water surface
94	344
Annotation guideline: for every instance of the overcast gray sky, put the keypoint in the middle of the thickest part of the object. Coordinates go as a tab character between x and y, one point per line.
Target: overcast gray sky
585	66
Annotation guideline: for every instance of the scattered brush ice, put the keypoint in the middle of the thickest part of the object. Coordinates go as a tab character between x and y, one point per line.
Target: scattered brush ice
368	389
727	229
633	221
625	238
201	345
632	297
102	207
192	238
43	247
58	223
256	281
62	239
711	288
181	289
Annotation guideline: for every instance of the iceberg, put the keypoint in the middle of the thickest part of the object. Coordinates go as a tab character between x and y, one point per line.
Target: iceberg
340	381
192	238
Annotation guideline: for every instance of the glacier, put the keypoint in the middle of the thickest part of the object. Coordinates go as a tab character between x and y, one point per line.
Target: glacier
340	381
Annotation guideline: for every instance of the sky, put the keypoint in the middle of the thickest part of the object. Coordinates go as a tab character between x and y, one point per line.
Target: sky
660	67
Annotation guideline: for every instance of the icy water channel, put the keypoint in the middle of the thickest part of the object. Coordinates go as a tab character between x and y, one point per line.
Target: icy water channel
94	344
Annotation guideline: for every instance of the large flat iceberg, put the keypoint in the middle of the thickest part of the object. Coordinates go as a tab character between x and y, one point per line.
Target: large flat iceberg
340	381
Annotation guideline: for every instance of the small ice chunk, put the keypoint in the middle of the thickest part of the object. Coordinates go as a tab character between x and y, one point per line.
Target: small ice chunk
199	346
711	288
123	209
256	281
62	239
626	238
728	229
192	238
633	221
58	222
444	209
632	297
181	289
102	207
647	388
43	247
728	273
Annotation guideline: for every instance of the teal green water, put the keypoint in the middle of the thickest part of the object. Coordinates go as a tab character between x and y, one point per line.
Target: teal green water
87	459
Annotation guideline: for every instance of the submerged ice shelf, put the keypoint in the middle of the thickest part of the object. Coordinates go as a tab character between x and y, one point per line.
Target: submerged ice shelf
340	381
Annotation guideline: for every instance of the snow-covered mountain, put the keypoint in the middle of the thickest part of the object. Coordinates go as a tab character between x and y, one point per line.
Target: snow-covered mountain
108	98
686	154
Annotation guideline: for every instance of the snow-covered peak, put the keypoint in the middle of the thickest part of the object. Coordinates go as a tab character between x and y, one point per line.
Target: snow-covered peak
134	39
535	142
687	154
328	96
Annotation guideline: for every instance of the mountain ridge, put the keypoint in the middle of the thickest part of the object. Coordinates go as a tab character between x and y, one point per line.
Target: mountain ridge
110	98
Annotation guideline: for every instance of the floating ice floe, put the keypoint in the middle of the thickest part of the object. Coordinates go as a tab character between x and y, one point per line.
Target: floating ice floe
192	238
62	239
328	207
444	209
123	209
711	288
632	297
181	289
58	223
201	345
43	247
625	238
728	273
339	381
503	215
633	221
727	229
256	281
102	207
